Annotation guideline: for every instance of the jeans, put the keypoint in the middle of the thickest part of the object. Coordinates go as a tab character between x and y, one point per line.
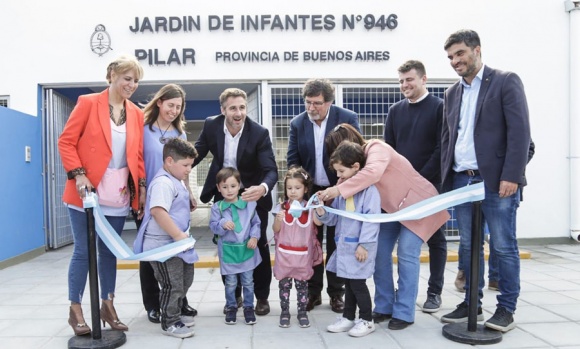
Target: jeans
500	215
247	280
492	273
437	259
79	264
401	304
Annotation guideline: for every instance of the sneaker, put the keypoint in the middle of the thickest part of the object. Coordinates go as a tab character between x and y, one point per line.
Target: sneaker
231	314
361	328
303	319
380	317
460	281
493	285
285	319
249	316
342	324
502	320
432	304
460	314
178	330
188	321
239	301
398	324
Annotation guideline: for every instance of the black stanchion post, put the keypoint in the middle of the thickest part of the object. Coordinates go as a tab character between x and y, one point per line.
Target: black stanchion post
97	339
473	333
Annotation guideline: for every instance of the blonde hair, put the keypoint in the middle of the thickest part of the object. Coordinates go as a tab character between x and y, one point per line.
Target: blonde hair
124	64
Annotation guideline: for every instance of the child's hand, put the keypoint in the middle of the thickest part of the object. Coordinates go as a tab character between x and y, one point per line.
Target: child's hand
280	216
229	225
361	254
252	243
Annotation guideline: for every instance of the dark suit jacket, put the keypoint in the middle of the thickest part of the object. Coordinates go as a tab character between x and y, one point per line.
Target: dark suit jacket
255	157
301	149
502	129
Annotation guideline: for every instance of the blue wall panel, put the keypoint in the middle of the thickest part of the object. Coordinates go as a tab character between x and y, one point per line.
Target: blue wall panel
21	206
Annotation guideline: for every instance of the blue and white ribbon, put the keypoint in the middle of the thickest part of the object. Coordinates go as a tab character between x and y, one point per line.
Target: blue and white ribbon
470	193
119	248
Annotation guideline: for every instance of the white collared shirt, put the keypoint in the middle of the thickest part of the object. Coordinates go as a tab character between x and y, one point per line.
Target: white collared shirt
419	99
320	177
465	158
231	147
231	152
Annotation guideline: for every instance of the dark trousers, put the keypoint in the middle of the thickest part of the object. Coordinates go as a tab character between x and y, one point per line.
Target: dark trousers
437	259
316	282
149	285
357	293
263	272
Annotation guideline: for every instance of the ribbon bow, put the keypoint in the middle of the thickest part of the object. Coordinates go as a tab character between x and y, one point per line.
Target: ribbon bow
234	206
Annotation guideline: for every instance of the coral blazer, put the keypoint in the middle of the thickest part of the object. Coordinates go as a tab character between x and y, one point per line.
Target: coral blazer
86	142
399	186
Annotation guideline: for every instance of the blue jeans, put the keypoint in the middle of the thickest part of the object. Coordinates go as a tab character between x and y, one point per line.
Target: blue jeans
231	281
79	263
500	216
492	273
401	304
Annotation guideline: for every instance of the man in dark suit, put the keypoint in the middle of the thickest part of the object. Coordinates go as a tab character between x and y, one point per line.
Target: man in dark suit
236	141
413	129
486	136
306	148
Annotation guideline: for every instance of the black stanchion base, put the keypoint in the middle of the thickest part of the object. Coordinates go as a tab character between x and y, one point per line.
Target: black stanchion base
482	334
109	340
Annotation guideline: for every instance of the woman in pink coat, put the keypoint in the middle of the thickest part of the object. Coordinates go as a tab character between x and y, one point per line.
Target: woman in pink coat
399	186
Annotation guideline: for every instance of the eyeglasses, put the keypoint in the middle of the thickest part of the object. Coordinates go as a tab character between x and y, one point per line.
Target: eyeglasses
316	104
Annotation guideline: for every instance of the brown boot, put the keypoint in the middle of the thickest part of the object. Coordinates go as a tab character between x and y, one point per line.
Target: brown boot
109	315
77	321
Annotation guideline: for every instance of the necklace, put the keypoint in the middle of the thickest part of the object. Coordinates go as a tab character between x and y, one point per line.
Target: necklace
162	139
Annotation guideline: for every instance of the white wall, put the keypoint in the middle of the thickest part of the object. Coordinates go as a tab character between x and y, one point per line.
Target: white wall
47	42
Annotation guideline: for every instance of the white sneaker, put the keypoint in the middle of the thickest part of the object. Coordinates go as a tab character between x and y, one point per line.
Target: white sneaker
188	321
178	330
342	324
361	328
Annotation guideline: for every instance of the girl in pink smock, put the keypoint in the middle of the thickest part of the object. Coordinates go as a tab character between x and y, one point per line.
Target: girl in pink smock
297	249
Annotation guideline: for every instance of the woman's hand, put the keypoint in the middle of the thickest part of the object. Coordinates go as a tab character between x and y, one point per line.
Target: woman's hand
83	185
192	202
328	194
142	197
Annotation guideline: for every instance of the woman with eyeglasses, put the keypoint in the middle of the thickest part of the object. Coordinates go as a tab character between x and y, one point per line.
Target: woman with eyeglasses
399	186
164	119
101	147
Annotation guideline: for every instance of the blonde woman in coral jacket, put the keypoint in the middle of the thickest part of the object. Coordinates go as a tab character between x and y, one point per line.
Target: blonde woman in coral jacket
101	148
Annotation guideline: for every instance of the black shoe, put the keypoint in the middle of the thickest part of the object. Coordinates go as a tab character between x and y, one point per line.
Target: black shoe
337	304
262	307
432	304
249	316
154	316
398	324
231	314
502	320
239	301
379	317
460	314
313	300
188	311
